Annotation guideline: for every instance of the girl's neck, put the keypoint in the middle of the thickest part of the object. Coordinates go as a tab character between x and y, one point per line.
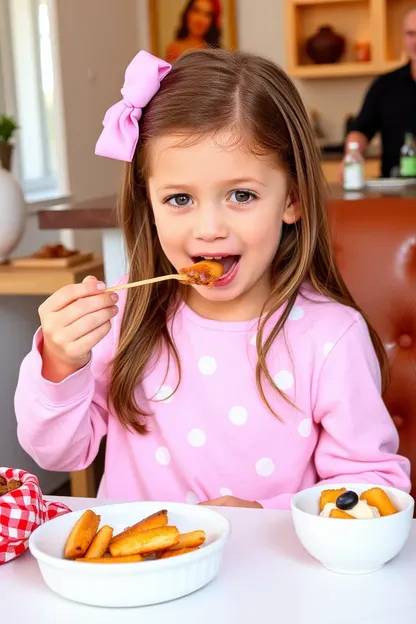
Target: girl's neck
244	308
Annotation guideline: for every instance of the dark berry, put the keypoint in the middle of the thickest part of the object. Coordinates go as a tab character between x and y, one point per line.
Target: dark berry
347	500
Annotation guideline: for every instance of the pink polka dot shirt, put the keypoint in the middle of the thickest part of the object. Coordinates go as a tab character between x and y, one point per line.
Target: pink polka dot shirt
215	436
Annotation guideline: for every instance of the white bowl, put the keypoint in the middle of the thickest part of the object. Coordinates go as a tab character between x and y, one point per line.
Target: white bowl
346	546
131	584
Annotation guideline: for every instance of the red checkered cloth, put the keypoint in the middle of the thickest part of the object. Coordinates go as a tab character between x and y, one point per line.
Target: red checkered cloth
21	512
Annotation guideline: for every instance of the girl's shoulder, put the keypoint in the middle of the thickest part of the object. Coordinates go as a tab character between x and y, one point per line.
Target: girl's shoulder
323	315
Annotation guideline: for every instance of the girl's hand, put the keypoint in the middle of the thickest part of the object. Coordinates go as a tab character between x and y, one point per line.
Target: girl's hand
74	320
231	501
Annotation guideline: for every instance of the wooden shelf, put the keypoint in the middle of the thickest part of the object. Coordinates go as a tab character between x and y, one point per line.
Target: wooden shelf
379	22
19	281
336	70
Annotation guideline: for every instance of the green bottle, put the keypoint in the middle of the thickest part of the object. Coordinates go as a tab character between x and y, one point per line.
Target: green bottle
408	157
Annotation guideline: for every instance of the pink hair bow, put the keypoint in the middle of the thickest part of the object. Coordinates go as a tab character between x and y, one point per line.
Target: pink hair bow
121	122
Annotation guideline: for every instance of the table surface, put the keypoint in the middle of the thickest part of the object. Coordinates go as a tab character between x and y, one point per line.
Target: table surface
266	575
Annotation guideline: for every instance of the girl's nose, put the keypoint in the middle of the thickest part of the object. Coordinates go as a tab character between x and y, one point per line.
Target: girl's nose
210	223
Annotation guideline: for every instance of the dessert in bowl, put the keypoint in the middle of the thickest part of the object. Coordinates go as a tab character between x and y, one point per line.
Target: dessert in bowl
352	528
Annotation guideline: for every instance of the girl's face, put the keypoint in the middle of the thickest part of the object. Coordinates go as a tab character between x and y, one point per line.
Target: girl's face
215	200
199	17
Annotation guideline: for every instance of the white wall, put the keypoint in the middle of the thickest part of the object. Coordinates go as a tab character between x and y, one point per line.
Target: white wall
96	41
18	322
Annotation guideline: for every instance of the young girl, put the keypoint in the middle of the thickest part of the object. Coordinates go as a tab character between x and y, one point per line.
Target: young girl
241	394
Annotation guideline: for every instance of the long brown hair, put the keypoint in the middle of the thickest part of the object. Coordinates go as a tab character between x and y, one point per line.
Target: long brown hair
206	92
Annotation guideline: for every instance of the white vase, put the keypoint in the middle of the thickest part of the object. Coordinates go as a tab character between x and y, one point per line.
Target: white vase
12	213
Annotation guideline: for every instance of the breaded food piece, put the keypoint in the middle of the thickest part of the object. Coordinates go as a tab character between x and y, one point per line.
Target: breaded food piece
9	486
203	273
156	520
378	498
173	553
144	542
329	496
3	480
82	535
190	540
100	543
126	559
338	513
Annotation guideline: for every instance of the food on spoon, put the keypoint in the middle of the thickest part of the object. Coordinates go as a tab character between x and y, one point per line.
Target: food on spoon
82	535
379	499
156	520
100	543
144	542
8	486
203	273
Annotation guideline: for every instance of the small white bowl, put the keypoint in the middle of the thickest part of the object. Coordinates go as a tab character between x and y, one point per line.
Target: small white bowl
131	584
352	546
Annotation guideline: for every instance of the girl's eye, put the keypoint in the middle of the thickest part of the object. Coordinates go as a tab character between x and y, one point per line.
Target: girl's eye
178	201
242	197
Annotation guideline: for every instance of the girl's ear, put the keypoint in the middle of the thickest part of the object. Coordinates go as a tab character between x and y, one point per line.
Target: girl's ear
292	211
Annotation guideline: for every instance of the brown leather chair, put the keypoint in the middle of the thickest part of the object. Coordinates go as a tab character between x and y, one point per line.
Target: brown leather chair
375	247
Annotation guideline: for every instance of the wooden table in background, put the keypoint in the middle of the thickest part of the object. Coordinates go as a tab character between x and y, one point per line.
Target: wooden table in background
19	281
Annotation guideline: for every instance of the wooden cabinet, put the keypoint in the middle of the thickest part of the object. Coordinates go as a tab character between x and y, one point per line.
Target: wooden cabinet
377	22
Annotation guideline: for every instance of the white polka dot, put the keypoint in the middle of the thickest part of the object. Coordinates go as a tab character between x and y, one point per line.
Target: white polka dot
296	313
225	492
162	455
328	346
238	415
207	365
192	498
284	380
253	340
164	394
305	427
265	467
196	437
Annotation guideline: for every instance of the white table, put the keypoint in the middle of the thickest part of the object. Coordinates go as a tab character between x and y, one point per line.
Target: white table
266	576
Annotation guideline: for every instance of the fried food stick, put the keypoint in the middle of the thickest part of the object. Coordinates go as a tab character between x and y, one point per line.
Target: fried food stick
126	559
145	542
156	520
174	553
99	544
203	273
82	535
189	540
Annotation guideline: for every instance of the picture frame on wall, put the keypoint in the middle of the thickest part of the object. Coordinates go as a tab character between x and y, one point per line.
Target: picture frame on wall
177	26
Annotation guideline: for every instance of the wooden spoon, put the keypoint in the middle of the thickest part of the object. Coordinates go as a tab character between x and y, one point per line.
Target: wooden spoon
152	280
203	273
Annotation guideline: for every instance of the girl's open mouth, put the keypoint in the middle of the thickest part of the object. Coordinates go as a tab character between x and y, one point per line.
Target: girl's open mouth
230	265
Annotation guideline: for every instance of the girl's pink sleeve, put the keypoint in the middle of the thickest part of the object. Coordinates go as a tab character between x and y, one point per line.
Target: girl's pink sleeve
60	425
358	440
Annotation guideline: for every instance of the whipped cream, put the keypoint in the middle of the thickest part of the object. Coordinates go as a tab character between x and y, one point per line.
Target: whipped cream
361	510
